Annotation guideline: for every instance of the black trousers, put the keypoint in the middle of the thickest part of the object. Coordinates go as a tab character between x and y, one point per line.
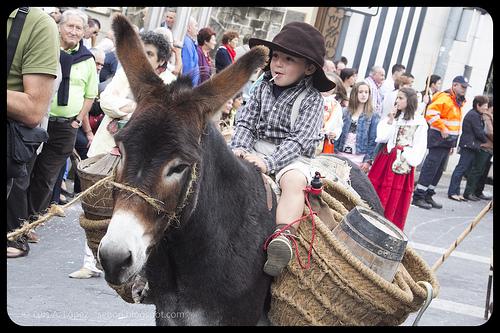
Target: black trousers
477	175
18	204
82	150
50	161
431	172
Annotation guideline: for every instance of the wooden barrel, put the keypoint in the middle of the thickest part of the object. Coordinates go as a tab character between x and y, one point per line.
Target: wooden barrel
374	240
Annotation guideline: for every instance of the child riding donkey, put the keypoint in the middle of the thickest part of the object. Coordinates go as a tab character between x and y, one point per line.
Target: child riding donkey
280	126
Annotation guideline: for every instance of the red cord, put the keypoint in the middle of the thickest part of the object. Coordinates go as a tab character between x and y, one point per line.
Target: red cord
307	190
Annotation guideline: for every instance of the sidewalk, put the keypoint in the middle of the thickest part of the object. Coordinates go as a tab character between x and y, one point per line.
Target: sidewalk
39	291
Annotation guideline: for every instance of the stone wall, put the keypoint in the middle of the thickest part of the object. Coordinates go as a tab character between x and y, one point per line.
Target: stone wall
259	22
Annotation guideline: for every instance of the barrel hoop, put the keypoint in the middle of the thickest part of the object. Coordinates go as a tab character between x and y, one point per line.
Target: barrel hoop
370	231
370	246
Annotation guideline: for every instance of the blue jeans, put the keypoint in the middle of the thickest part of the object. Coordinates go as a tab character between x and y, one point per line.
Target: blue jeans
467	156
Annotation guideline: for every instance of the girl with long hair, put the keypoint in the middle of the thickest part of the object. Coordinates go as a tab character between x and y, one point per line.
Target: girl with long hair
357	141
404	130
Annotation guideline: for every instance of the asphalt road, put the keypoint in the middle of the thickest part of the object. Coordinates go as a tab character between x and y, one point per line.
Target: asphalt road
39	291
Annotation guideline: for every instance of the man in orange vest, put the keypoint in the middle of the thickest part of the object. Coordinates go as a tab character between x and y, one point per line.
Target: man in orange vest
444	116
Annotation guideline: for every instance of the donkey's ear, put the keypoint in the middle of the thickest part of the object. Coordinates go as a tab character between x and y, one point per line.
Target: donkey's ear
130	51
216	91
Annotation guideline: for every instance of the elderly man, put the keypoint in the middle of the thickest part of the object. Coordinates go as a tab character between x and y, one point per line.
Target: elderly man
30	86
375	80
329	66
190	66
74	99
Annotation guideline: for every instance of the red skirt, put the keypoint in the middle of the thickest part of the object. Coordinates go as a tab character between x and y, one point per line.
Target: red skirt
395	191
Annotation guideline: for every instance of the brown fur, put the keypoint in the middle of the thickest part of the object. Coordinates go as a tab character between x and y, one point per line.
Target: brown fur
168	121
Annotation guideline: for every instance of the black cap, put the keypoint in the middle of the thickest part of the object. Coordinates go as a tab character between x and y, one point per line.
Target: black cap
462	80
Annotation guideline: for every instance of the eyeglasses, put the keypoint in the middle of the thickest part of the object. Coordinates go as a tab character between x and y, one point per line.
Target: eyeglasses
99	63
70	27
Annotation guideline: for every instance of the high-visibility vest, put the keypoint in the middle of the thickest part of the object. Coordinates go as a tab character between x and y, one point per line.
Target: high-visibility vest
444	113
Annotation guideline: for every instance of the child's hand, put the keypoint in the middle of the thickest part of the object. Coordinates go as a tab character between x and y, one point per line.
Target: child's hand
259	162
239	152
365	167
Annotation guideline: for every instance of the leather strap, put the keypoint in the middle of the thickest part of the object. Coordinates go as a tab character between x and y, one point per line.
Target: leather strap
15	33
322	211
269	194
296	107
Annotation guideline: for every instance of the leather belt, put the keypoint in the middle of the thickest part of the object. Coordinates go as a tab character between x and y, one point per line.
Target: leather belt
61	119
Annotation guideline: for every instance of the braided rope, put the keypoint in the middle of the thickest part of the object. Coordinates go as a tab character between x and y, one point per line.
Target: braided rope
58	210
157	204
53	210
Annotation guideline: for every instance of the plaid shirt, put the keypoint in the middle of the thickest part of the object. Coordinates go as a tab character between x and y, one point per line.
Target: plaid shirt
377	97
266	118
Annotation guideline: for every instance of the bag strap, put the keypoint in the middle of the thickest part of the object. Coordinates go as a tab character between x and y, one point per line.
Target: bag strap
296	107
14	34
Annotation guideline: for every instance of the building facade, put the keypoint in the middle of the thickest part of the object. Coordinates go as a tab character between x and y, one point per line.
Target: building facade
447	41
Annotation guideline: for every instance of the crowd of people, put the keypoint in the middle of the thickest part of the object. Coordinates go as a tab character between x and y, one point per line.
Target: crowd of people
282	116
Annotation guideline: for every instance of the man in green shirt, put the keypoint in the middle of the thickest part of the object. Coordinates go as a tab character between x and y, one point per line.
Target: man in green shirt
30	84
69	108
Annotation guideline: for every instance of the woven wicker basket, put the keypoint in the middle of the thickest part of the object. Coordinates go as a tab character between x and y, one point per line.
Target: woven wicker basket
95	231
338	289
97	204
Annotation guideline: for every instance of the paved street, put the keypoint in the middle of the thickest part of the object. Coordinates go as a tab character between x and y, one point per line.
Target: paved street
39	291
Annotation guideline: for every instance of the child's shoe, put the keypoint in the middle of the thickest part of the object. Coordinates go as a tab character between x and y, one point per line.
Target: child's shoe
279	254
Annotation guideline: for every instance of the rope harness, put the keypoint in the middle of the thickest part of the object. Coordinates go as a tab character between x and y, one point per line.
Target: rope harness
57	210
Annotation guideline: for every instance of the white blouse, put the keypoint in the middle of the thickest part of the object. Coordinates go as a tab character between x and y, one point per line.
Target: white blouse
333	116
116	95
401	131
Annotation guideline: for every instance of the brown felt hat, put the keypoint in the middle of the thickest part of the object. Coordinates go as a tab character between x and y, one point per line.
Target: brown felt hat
301	40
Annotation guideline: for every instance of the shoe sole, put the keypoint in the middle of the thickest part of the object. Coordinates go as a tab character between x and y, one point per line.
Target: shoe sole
423	207
279	254
16	254
434	206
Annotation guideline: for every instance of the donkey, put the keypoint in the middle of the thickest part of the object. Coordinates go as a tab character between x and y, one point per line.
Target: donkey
202	252
197	228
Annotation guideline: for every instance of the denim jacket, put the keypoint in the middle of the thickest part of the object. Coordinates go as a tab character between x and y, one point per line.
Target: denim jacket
366	133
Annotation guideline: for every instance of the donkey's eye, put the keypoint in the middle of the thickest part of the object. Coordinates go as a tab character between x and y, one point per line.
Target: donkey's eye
177	169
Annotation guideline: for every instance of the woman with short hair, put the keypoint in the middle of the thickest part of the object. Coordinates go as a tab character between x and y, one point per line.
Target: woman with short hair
206	43
226	53
349	76
471	139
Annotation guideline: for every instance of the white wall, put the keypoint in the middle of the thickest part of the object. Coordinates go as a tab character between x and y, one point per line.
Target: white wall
352	37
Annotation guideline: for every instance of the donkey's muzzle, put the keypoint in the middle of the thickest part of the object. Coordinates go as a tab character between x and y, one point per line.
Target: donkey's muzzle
116	263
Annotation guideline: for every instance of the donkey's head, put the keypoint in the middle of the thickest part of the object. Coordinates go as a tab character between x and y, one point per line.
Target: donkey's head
160	149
